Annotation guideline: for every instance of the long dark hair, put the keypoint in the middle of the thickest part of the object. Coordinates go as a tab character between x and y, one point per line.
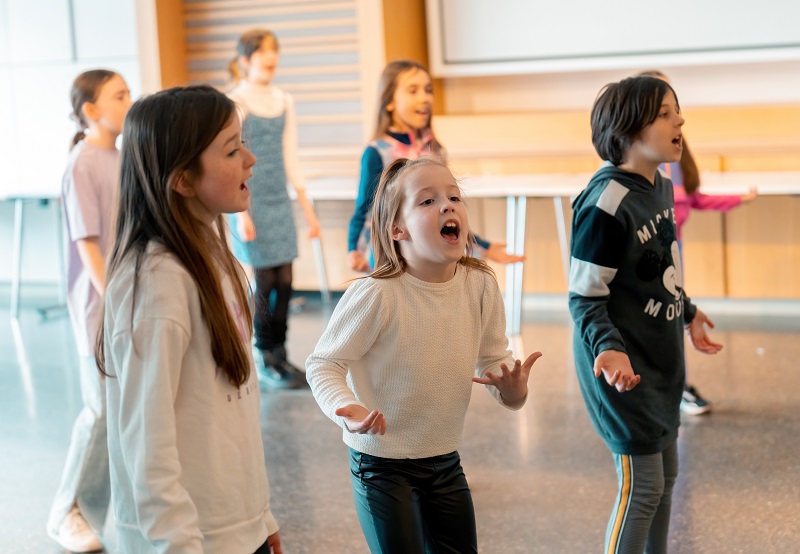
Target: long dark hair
86	88
163	138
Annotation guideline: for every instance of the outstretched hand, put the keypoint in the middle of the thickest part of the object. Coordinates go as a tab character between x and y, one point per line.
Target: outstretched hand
512	383
245	227
360	420
697	333
497	253
616	367
357	261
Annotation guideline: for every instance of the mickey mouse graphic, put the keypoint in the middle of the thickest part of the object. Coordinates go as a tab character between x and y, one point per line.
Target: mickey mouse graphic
665	261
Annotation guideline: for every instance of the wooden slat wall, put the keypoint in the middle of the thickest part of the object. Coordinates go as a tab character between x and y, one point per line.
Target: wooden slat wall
319	66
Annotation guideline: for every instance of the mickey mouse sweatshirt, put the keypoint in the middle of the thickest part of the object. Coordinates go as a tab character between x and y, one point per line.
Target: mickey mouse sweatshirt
626	294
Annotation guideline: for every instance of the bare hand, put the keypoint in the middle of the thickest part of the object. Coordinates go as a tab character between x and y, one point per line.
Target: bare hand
313	228
274	542
357	261
512	383
497	253
697	333
245	227
359	420
752	194
615	366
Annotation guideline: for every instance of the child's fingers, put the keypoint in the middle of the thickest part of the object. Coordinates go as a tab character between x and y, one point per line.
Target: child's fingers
531	359
614	378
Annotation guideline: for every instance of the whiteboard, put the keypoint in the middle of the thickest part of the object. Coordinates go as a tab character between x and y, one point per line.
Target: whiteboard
493	37
36	77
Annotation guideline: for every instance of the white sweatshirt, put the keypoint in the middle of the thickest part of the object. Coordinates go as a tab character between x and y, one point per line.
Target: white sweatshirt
185	448
409	349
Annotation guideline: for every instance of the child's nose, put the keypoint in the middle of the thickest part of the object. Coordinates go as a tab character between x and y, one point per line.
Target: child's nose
250	159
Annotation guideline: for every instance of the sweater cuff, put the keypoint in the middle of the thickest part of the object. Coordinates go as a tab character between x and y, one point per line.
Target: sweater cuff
609	344
516	405
689	311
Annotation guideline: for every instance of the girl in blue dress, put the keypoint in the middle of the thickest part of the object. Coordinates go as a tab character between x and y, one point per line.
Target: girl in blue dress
265	236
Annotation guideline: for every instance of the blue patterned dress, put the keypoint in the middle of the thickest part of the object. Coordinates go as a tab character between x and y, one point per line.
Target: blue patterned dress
270	206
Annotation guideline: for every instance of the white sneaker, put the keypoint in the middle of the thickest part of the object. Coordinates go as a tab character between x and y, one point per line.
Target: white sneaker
75	535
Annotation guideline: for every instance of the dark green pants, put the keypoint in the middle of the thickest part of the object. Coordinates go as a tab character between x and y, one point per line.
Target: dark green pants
414	506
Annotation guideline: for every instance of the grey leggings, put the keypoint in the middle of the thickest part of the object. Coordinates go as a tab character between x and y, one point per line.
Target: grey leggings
640	519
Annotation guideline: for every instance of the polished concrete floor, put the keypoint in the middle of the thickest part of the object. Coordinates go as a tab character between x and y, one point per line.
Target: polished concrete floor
541	479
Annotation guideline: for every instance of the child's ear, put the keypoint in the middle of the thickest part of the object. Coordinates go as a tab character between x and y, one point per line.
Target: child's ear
89	111
183	185
244	63
398	232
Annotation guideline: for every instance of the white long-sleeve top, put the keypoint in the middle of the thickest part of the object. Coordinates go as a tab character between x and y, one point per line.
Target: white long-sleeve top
185	447
270	101
409	349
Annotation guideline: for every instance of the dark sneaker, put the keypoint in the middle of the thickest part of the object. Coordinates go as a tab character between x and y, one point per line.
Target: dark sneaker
692	403
273	373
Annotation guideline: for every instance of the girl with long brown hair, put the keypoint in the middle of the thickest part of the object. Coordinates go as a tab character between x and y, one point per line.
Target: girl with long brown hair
185	447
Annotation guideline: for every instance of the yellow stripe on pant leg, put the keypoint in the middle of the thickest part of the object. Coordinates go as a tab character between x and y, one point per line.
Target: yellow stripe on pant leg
624	498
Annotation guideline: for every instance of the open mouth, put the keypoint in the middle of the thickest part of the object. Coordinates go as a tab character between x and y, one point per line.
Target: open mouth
451	231
678	141
243	187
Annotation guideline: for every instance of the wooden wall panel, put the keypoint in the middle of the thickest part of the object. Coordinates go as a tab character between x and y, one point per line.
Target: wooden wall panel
763	248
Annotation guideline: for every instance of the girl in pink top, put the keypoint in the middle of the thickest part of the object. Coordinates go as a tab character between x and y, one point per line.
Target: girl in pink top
686	183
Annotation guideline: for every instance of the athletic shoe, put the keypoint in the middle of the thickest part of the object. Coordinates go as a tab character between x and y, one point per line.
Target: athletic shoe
692	403
75	535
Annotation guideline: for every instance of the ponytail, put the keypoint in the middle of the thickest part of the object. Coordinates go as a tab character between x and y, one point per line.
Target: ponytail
79	136
234	70
85	88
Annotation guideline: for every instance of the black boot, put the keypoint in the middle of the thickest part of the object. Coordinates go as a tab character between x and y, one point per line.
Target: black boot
274	373
286	367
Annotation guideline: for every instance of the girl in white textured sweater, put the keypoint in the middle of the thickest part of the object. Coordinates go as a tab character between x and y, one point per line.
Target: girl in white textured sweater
396	364
185	448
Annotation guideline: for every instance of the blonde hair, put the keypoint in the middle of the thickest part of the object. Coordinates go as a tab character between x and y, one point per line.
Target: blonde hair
249	42
164	136
389	197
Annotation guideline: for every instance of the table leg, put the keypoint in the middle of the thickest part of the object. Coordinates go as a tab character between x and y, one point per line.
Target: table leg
562	236
515	236
322	272
16	263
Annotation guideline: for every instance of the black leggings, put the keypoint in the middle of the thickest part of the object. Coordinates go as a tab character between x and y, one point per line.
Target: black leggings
264	548
413	506
269	319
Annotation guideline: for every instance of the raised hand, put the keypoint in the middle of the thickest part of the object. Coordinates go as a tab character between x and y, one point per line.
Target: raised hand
245	227
512	383
497	253
360	420
697	333
357	261
616	367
